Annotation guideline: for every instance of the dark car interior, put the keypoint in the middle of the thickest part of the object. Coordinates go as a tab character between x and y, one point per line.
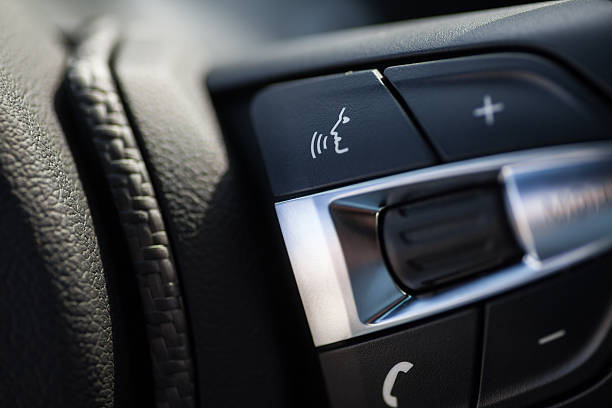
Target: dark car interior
306	203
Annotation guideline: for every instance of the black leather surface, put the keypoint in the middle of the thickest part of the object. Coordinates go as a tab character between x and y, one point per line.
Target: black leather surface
55	337
250	339
106	126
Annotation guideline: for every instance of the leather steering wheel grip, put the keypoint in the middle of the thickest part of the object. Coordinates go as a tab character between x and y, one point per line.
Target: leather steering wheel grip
56	346
60	346
106	126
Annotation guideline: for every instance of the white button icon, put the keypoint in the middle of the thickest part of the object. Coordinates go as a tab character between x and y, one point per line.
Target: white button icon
401	367
319	140
488	110
551	337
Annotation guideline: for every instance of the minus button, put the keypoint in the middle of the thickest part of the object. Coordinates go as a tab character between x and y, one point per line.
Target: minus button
551	337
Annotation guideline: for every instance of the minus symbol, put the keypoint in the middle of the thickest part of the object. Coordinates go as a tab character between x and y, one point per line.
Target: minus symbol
551	337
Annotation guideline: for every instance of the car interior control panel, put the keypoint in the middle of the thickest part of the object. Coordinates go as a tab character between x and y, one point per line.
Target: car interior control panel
448	224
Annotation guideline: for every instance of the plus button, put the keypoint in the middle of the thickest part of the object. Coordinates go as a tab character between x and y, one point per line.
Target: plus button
488	110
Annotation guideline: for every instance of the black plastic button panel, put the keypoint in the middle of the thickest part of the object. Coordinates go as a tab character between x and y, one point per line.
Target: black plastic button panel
327	130
539	343
532	345
481	105
546	340
597	395
324	131
432	365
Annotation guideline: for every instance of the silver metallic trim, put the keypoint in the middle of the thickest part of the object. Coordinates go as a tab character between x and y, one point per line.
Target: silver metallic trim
557	207
344	284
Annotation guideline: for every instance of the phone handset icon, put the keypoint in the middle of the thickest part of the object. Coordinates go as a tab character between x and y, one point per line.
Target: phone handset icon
401	367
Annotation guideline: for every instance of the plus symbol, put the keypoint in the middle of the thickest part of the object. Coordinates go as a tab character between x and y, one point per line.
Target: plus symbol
488	110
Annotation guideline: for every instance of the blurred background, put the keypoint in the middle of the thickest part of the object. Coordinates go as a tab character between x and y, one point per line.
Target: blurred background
268	19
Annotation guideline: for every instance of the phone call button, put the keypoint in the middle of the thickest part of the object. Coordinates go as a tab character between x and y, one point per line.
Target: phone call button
431	365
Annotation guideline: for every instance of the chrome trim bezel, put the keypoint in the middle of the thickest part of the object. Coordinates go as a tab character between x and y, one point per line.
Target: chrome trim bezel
314	228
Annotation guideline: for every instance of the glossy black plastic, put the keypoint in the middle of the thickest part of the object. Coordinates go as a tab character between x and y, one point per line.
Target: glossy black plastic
546	340
327	130
487	104
427	366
